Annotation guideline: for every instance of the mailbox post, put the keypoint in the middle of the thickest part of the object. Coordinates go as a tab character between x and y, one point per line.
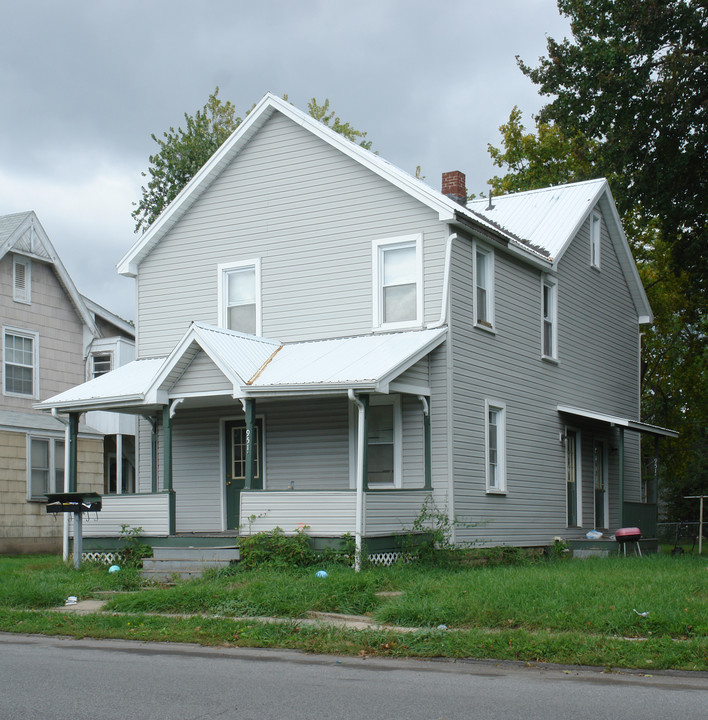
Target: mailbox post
77	503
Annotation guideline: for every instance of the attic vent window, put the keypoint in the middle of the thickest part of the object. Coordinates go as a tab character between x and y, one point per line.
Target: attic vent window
101	364
22	282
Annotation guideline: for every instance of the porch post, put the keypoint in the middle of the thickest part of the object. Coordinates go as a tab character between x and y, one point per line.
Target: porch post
426	442
153	453
365	434
621	476
655	493
249	407
167	465
73	451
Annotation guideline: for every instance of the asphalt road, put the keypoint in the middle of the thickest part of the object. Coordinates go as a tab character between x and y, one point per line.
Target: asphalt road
44	677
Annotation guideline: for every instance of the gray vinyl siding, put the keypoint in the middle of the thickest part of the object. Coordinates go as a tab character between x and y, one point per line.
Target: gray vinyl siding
201	376
413	471
310	214
419	374
51	315
595	313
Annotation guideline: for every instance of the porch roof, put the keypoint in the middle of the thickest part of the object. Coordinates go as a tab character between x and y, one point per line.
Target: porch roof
255	366
635	425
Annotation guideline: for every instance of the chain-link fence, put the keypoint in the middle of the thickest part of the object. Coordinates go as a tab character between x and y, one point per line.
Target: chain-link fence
678	533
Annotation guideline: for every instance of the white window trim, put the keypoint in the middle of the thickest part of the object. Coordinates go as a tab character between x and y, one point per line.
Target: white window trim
501	487
34	336
91	368
222	289
52	440
595	240
547	280
489	254
395	401
26	296
378	249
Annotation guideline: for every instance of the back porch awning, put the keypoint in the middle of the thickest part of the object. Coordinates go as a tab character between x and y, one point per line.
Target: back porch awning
257	367
617	421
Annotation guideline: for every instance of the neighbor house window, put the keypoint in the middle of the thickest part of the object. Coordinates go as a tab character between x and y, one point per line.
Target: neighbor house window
483	287
384	442
550	318
45	467
101	363
495	441
398	282
22	280
20	362
239	296
595	226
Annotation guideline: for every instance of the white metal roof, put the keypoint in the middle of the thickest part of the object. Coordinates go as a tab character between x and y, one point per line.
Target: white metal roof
366	361
125	384
635	425
547	218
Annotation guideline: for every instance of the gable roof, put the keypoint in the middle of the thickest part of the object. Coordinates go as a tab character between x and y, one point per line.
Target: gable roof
256	366
550	218
23	233
448	210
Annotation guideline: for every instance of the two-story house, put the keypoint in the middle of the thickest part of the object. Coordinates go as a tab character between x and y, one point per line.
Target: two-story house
52	339
324	341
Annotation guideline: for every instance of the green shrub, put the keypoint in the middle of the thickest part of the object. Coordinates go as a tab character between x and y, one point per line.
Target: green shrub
133	548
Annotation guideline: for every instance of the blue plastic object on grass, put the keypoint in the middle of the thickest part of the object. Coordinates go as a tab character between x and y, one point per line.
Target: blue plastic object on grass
321	574
114	568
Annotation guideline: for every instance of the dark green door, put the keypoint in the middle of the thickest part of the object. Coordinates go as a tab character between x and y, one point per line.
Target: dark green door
235	466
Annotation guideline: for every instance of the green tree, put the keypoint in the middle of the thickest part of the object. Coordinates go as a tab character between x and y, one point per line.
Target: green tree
540	159
633	80
183	152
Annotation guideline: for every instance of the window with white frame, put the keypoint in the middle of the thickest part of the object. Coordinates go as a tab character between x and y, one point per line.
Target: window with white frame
549	302
398	282
20	362
22	280
595	227
384	441
45	469
483	286
239	296
101	363
495	446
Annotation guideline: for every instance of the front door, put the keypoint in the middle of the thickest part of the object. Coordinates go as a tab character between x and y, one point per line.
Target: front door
235	466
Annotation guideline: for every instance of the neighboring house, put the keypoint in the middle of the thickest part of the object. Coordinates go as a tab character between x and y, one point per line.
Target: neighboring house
52	339
324	341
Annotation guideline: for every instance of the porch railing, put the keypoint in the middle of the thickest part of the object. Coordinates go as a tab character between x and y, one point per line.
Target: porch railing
641	515
149	511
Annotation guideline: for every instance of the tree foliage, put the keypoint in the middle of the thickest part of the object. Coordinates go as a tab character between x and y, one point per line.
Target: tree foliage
183	152
634	81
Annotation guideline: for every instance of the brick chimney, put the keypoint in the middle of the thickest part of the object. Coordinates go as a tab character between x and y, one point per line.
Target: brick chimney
453	185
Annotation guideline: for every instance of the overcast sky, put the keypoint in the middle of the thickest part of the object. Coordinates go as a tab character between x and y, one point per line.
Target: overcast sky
84	83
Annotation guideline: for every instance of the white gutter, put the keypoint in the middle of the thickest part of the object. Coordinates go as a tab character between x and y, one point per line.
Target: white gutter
360	448
65	534
445	298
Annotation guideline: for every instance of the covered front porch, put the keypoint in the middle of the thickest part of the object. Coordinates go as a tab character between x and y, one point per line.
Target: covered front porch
246	434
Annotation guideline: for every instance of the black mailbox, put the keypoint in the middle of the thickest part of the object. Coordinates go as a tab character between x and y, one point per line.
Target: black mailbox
74	502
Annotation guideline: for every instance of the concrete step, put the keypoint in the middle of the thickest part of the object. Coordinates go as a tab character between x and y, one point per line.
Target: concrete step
199	554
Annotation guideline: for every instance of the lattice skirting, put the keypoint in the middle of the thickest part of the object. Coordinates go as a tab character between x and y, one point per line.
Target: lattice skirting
107	558
383	558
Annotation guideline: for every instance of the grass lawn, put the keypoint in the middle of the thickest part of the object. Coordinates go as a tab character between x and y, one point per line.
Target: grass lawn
646	613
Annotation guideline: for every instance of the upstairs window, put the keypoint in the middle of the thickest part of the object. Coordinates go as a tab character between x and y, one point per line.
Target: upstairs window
239	297
22	280
398	300
483	287
20	362
550	314
101	363
595	227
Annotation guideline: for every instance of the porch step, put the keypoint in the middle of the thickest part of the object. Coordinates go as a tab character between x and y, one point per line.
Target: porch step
187	562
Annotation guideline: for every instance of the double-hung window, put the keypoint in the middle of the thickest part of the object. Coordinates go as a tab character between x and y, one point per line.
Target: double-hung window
22	280
495	446
398	282
239	296
20	362
483	286
45	469
101	363
549	330
595	227
384	441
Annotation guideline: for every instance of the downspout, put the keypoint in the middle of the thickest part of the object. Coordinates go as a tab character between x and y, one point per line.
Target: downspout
360	449
65	533
445	298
